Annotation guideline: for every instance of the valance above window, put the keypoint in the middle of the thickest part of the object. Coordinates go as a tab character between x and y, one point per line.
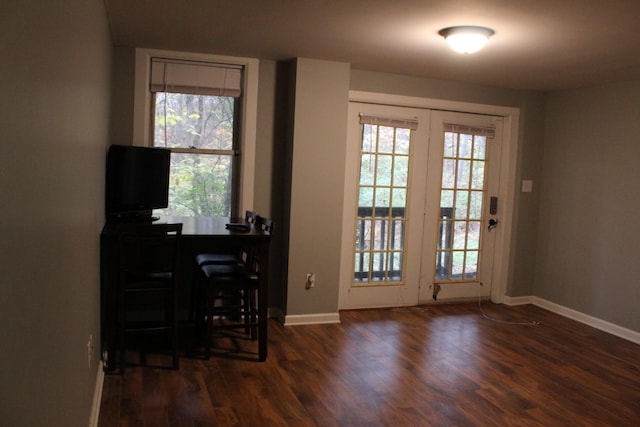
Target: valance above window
388	121
489	132
198	78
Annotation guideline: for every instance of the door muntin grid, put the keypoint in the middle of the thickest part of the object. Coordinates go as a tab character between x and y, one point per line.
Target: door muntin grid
462	196
383	186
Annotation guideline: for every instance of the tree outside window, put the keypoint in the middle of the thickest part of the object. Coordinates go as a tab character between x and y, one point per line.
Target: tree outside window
199	130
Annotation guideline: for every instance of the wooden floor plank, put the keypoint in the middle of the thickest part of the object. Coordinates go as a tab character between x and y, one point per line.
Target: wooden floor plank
441	365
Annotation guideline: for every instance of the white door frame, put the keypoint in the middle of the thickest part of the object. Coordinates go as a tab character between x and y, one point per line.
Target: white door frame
507	182
405	292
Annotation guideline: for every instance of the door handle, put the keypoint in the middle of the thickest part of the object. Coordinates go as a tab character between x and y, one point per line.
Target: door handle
493	223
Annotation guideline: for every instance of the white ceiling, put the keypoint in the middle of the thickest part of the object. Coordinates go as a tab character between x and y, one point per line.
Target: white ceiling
538	44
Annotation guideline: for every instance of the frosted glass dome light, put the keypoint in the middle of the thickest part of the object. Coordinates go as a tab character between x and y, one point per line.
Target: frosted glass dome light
466	39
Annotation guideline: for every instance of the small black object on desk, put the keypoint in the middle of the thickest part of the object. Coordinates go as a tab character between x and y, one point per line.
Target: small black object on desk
238	226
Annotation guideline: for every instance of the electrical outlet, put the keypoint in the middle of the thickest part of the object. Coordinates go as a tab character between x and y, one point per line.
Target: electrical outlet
105	358
90	349
311	281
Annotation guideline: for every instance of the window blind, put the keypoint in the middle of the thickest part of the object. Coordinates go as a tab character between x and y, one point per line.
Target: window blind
489	132
197	78
389	121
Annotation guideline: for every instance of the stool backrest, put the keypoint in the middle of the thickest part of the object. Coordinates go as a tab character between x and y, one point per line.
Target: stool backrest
265	224
250	216
149	248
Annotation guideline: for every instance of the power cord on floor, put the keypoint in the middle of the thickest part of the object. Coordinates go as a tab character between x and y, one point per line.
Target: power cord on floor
508	322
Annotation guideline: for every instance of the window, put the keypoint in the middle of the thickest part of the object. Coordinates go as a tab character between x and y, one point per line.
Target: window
464	172
195	113
382	200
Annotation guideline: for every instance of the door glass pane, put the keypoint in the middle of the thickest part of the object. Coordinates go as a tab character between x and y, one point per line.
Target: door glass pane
382	202
386	139
463	174
367	166
448	173
446	198
366	196
363	235
471	265
459	234
475	205
477	175
382	199
457	264
400	171
466	142
462	196
403	137
380	231
362	265
379	266
369	137
450	145
395	266
399	199
383	176
473	235
397	235
462	203
479	147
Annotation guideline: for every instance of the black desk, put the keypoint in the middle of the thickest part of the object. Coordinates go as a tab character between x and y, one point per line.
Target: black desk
199	234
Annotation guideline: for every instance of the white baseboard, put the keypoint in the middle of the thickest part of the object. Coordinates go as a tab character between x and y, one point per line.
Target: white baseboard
517	300
588	320
97	397
311	319
603	325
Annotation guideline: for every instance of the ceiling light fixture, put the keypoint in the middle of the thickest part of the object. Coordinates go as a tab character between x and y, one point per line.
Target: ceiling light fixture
466	39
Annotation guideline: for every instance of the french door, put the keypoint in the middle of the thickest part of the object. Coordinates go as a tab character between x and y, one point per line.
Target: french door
459	263
418	201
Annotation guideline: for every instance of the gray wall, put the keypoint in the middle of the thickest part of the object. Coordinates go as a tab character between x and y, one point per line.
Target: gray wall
317	181
588	233
529	165
55	85
436	89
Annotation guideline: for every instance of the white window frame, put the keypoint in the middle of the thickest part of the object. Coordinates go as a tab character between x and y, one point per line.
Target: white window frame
143	122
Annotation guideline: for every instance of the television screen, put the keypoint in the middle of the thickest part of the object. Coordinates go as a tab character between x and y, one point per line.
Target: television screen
137	181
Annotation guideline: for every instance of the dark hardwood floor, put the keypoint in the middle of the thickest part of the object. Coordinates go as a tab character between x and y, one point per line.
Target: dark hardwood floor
443	366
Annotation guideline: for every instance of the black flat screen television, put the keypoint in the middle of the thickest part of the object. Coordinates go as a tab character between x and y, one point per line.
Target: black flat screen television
137	181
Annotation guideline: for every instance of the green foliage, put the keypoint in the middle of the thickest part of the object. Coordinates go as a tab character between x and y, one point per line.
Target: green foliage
200	184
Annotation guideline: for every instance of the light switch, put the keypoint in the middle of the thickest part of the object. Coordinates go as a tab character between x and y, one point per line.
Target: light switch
527	186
